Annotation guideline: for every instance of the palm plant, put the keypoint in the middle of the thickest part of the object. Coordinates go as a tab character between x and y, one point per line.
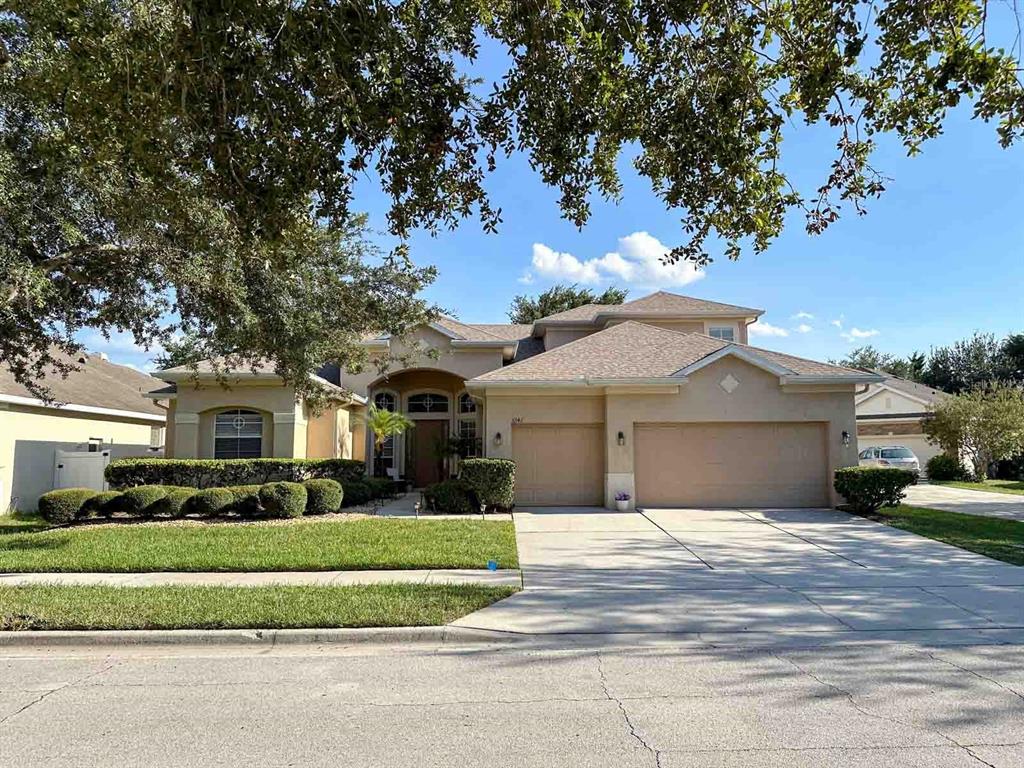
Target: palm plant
384	424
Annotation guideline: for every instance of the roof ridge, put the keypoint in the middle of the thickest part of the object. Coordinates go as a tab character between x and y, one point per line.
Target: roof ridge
471	325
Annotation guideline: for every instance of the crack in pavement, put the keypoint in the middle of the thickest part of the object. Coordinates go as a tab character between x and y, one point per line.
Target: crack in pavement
108	665
931	655
656	754
867	713
955	604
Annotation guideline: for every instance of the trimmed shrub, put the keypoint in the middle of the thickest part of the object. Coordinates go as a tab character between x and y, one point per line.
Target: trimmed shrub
356	493
323	496
283	499
945	467
866	489
452	497
64	505
493	480
210	502
139	501
247	500
218	473
380	487
103	504
175	503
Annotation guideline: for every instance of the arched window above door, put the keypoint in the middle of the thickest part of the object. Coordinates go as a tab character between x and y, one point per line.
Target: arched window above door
386	401
428	402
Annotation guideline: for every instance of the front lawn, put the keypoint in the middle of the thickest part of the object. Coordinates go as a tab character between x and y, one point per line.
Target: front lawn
49	607
305	545
1013	487
993	537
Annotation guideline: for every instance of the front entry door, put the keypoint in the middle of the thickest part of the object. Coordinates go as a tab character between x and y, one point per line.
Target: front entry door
429	438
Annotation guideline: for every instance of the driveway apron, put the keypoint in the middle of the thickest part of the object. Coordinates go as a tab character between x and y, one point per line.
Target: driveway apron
815	573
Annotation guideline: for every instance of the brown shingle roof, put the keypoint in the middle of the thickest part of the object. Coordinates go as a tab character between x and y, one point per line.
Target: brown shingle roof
660	303
505	331
632	350
913	388
97	383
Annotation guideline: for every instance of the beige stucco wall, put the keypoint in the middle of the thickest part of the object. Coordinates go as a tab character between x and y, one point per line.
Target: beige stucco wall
29	436
759	397
466	363
196	407
556	337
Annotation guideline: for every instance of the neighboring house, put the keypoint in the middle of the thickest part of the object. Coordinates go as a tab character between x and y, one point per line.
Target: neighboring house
252	414
891	412
658	397
97	410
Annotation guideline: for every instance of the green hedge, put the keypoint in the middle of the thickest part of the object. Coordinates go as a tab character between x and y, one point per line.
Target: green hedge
103	504
218	473
283	499
175	503
452	497
141	500
210	502
323	496
945	467
866	489
64	505
493	480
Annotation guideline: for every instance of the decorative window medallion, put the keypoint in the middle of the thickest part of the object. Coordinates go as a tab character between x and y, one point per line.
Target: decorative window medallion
729	383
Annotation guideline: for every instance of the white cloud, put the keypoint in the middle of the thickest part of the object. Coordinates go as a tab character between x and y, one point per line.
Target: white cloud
838	323
526	279
638	261
803	328
856	334
766	329
801	315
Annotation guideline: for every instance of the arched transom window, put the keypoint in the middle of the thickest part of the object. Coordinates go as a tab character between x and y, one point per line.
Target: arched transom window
466	403
428	403
238	434
385	401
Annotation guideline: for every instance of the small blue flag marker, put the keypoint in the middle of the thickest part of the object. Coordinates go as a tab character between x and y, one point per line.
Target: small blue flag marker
492	565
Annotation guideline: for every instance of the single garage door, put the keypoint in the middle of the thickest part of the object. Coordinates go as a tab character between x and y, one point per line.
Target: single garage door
771	464
559	464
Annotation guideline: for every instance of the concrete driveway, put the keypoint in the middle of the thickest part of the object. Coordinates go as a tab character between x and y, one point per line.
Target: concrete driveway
950	499
819	573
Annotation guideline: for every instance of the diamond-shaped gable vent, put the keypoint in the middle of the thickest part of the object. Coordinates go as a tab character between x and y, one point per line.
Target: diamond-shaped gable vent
729	383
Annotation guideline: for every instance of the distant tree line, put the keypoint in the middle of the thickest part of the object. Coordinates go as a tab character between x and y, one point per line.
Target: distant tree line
980	360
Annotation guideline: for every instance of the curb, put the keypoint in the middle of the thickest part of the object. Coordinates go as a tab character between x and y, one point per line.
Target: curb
249	637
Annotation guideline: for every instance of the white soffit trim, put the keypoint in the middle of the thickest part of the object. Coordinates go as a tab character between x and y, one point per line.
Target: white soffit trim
852	378
93	409
731	350
580	382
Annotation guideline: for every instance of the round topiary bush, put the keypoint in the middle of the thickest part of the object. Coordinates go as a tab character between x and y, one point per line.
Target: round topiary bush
64	505
139	501
283	499
493	480
247	500
210	502
452	497
323	496
944	467
103	504
356	493
175	504
867	489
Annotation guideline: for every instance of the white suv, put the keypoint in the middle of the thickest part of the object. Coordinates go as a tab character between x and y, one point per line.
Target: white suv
896	456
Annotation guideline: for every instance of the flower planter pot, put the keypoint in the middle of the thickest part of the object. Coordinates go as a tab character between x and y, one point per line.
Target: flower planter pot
622	505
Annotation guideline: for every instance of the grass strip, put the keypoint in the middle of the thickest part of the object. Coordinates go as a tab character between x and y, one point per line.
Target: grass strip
993	537
52	607
1011	487
364	544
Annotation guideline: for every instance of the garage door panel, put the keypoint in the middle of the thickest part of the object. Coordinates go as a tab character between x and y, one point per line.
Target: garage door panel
559	464
731	464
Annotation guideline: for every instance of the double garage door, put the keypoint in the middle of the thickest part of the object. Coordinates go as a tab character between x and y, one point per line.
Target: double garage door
757	464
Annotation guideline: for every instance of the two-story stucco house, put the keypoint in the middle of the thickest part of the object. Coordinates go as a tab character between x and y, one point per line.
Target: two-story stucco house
660	397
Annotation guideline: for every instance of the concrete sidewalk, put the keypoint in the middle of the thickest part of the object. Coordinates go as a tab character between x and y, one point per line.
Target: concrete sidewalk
967	501
506	577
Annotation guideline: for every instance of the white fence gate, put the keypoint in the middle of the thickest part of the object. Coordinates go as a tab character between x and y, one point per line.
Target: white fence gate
80	469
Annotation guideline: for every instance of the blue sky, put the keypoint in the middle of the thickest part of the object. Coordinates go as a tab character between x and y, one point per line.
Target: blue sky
939	256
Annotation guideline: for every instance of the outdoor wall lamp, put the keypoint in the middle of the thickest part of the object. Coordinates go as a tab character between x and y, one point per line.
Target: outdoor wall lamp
497	438
621	439
846	439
